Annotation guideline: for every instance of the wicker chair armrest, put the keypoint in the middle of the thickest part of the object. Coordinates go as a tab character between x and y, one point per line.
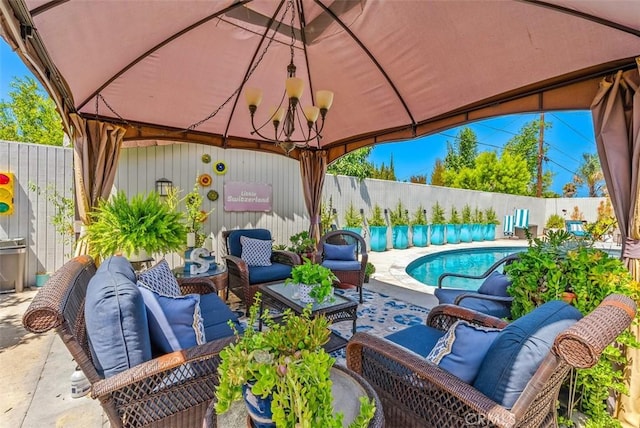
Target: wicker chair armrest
444	316
286	257
461	297
154	374
433	381
237	267
196	286
582	343
508	259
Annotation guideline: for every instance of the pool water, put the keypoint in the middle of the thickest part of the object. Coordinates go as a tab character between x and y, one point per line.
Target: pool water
470	261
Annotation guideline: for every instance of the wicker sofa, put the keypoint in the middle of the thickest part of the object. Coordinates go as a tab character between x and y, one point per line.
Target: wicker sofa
172	390
417	393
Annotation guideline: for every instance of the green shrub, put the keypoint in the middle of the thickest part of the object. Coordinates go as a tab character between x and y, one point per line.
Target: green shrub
376	218
399	215
437	214
555	221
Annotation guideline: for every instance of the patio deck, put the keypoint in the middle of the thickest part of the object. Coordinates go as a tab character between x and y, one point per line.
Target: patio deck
36	369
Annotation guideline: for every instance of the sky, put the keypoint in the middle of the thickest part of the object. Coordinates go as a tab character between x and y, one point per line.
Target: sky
570	135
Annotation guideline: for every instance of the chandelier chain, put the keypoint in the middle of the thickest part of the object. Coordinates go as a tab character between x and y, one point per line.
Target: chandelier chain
251	70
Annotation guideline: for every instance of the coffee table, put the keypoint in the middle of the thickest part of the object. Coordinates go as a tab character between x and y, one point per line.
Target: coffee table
280	297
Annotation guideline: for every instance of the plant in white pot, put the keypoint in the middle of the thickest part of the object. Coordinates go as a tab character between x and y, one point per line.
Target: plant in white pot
314	281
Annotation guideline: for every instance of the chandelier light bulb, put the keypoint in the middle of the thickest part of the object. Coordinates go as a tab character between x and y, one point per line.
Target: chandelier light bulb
311	113
295	87
253	96
324	99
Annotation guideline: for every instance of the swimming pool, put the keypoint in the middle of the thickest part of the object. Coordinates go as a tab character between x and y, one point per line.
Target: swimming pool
471	261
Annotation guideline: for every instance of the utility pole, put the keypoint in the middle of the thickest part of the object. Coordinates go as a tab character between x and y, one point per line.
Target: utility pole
540	156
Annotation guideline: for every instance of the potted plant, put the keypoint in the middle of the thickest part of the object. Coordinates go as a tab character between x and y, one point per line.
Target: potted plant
369	270
477	225
557	266
377	230
420	228
437	224
465	227
286	369
452	228
327	216
353	220
302	244
314	281
400	227
144	223
195	215
491	220
554	222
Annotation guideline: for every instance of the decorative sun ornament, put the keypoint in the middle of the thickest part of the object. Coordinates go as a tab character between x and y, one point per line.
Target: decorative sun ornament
206	158
212	195
205	180
220	168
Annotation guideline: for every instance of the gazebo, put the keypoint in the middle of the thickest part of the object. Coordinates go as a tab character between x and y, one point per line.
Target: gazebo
139	73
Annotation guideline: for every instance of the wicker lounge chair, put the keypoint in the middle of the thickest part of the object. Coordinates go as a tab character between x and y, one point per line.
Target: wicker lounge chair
243	279
173	390
350	270
416	393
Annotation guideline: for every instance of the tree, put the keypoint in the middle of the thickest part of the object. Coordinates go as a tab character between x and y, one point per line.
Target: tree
507	174
437	175
590	174
354	164
385	172
525	144
419	179
569	190
463	152
29	115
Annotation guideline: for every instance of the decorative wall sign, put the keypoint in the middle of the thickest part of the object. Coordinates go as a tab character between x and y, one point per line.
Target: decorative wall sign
212	195
206	158
220	168
205	180
240	196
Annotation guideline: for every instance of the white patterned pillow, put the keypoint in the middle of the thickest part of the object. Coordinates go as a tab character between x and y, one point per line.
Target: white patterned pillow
160	279
255	252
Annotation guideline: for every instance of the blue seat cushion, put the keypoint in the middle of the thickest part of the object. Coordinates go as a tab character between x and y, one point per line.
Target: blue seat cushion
339	252
116	319
275	272
495	284
489	307
418	338
462	349
342	265
175	323
215	316
235	247
519	349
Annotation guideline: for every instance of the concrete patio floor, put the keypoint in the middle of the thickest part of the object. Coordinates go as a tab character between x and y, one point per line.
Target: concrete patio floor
36	369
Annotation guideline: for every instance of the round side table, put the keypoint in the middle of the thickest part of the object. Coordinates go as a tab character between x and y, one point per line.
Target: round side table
219	277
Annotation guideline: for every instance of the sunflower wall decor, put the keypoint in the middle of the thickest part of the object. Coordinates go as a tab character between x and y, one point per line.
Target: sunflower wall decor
205	180
212	195
220	168
206	158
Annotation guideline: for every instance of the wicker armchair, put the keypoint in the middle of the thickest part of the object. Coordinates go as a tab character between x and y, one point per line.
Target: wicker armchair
349	275
169	391
242	281
416	393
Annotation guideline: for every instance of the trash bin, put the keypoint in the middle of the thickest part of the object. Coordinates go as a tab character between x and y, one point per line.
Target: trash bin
13	253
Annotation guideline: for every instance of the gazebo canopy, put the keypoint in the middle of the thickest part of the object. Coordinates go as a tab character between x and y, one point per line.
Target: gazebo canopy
398	68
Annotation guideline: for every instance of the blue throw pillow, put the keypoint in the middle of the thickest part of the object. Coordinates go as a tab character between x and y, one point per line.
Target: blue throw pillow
175	323
233	240
160	279
495	284
116	319
256	252
462	349
519	349
339	252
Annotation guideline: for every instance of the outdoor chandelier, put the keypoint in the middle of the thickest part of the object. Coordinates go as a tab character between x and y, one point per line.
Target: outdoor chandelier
289	112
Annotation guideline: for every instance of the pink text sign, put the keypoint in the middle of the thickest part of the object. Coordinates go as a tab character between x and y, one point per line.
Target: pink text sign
240	196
